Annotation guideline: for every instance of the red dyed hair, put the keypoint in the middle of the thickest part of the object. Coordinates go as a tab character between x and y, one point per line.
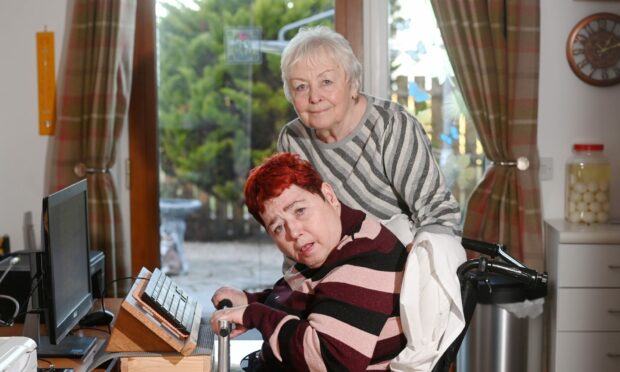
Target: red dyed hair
276	174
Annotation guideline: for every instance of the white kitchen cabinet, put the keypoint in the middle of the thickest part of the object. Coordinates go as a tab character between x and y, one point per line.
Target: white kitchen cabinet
583	302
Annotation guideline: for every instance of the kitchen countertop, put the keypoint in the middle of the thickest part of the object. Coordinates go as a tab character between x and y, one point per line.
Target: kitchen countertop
575	233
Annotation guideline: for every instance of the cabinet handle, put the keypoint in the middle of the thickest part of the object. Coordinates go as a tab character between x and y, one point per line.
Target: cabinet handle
613	311
614	267
613	355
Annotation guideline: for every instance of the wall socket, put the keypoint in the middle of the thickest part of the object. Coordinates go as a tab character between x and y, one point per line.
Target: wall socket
546	169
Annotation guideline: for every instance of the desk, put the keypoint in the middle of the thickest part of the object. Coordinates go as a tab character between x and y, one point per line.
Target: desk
238	349
79	365
127	364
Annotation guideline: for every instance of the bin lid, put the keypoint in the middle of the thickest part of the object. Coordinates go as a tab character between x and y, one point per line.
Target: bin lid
499	289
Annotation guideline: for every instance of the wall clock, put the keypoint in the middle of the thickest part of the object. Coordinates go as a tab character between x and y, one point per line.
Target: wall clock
593	49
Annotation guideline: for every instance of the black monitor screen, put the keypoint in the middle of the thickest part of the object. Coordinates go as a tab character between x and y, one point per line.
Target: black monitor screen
66	292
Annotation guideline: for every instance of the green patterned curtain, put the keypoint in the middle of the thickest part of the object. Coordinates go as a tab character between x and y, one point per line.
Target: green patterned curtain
94	88
493	46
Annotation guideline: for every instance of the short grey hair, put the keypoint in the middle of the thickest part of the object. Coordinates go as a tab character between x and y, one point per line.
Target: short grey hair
310	40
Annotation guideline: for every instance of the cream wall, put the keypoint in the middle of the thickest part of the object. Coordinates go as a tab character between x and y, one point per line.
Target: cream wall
22	149
569	110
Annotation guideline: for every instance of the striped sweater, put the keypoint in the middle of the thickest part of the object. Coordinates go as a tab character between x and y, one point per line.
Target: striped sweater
342	316
384	167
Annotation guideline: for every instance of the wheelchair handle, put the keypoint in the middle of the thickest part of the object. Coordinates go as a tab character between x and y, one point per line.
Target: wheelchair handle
491	250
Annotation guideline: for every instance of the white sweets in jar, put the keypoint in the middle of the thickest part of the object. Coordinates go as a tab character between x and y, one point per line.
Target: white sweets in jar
587	185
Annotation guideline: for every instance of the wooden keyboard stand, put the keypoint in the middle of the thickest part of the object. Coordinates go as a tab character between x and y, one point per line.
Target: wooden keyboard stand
138	330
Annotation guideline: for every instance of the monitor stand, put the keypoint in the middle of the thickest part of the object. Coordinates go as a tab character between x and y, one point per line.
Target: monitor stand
69	347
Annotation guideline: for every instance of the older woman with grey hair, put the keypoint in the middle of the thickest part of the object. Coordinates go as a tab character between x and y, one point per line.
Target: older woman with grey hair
378	158
374	151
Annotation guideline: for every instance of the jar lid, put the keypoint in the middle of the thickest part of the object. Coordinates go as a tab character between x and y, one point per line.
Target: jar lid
588	147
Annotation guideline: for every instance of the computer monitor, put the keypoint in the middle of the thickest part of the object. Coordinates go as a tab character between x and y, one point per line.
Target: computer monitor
64	293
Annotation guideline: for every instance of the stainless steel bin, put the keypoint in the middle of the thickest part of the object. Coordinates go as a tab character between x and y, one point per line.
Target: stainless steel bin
497	340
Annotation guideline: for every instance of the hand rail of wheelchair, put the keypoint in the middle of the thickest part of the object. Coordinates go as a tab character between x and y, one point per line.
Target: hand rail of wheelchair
483	265
489	249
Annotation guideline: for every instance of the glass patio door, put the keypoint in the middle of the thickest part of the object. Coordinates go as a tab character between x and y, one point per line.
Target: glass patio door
220	108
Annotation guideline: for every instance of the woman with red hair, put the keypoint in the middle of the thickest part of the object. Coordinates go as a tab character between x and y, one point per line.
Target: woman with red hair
337	308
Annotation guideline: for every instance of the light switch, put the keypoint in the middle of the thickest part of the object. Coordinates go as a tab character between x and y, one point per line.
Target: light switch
546	169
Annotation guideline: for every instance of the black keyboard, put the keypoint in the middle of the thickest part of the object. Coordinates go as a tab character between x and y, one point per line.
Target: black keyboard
170	301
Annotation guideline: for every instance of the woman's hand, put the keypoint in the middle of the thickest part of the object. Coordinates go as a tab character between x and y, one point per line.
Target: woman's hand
236	296
234	315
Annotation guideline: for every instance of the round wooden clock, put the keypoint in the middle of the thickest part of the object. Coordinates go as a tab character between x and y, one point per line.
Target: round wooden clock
593	49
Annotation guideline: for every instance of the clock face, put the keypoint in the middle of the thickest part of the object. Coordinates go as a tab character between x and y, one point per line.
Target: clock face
593	49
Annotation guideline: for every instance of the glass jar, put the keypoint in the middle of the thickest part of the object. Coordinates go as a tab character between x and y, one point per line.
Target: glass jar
587	185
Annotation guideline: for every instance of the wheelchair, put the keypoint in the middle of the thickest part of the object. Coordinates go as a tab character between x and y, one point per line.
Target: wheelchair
474	276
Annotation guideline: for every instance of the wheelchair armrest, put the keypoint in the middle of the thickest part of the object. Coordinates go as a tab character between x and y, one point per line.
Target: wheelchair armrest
523	274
